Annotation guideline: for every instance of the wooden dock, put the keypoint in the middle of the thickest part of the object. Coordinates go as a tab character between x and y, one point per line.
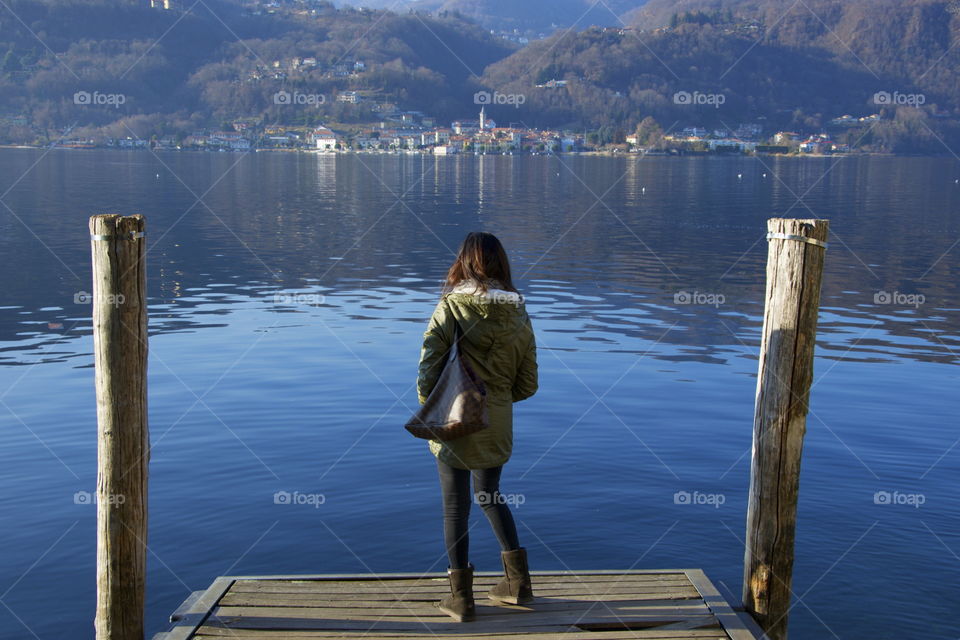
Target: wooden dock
678	603
657	604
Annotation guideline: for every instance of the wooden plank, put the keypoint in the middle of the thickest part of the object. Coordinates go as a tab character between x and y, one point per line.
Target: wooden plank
664	604
427	609
693	624
540	602
374	585
478	577
571	592
493	577
197	613
350	619
380	600
186	606
441	587
383	600
341	577
210	633
738	625
481	626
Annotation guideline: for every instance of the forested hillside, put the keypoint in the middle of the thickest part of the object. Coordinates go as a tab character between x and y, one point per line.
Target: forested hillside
797	69
221	60
705	63
910	41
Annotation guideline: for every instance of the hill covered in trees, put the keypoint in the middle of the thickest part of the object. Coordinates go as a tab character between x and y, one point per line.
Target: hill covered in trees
913	42
745	62
153	71
120	67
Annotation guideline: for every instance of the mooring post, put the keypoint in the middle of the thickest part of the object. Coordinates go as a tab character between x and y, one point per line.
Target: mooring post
794	273
120	358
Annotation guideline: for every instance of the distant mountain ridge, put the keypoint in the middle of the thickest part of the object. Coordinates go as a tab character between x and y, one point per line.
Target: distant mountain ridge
523	15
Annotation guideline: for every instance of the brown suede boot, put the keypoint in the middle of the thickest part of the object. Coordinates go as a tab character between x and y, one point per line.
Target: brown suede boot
459	604
515	587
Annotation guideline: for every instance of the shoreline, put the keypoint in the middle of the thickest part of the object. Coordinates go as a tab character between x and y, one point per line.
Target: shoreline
399	152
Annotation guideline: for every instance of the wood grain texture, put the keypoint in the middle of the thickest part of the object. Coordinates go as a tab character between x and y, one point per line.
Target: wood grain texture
794	275
632	604
575	634
123	445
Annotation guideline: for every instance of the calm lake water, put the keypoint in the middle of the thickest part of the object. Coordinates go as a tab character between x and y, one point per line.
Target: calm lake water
288	297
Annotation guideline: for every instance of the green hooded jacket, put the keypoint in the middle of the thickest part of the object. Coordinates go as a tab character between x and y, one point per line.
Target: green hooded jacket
498	343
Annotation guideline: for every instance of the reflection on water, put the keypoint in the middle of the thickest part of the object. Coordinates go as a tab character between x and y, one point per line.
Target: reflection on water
609	243
288	295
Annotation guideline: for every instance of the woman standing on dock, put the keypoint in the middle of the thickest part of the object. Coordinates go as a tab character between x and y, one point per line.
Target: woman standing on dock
497	340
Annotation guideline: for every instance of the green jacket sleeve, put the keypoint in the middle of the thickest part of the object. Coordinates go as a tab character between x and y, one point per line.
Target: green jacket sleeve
526	383
437	340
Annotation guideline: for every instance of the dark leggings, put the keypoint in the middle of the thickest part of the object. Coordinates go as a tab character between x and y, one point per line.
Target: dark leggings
455	488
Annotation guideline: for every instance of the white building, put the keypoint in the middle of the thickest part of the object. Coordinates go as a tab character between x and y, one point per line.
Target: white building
465	127
694	132
324	139
784	137
732	143
232	140
486	124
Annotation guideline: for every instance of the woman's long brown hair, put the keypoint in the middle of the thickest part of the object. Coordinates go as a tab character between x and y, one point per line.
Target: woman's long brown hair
481	258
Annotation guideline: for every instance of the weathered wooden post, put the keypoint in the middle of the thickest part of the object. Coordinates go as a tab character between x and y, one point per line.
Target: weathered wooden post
794	273
120	357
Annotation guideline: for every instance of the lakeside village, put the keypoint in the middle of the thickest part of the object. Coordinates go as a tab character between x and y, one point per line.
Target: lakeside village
414	132
378	126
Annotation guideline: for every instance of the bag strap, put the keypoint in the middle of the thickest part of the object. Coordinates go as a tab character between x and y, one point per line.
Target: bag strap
457	337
